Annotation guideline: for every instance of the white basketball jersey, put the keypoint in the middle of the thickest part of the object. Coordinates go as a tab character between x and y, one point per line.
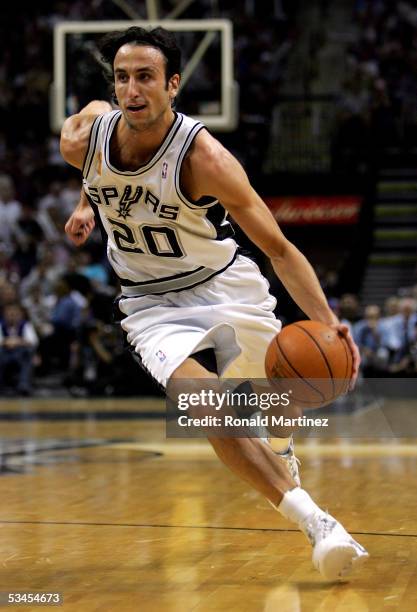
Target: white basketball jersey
157	239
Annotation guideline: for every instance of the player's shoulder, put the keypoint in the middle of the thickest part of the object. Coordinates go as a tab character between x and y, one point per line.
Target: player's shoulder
76	131
206	144
77	126
208	154
75	136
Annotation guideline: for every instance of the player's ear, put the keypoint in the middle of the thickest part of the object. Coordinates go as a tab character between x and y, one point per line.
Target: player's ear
174	85
114	98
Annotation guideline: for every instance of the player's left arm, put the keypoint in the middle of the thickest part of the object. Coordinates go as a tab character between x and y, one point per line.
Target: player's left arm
216	172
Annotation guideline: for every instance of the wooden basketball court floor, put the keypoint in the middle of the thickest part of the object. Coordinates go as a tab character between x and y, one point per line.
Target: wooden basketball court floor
101	508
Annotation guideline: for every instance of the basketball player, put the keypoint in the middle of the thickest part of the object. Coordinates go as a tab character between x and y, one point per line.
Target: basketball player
192	306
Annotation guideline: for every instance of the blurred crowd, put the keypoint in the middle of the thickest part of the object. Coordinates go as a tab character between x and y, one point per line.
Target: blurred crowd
387	336
56	309
377	106
29	153
56	301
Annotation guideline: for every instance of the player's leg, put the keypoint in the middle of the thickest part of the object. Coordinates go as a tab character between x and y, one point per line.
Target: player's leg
335	553
162	336
249	307
249	458
278	437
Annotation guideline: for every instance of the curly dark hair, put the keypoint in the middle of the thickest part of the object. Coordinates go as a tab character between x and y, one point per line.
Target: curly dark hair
158	37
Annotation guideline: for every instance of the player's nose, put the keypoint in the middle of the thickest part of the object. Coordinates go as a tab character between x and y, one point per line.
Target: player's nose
133	89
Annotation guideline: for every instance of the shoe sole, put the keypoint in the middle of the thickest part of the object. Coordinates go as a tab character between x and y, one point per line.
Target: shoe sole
340	561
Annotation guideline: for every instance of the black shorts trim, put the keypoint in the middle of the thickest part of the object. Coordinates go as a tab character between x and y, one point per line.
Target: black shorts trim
207	359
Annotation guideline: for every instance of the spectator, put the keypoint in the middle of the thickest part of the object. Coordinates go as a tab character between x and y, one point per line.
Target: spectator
392	306
367	336
29	236
8	268
348	309
18	341
10	211
398	335
44	275
70	196
104	365
329	280
51	216
93	269
66	319
39	307
413	354
8	295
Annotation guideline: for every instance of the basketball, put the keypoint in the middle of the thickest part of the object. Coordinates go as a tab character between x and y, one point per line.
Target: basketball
316	359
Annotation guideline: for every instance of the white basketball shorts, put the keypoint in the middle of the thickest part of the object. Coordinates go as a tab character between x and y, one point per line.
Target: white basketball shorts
232	313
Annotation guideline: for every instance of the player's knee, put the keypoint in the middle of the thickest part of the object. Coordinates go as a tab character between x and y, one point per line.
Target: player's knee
199	397
285	421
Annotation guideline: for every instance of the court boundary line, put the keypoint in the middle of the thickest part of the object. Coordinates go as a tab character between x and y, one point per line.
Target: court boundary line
213	527
81	415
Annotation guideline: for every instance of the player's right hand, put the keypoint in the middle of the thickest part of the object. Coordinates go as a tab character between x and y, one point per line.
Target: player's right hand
80	225
343	329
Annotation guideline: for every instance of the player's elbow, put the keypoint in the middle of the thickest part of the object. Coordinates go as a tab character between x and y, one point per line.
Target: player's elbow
70	153
278	250
71	143
65	147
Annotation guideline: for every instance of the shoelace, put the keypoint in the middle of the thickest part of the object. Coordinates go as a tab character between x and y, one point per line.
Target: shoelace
290	458
327	525
323	524
293	468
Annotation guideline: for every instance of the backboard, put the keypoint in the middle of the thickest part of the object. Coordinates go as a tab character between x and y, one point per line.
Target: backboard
208	92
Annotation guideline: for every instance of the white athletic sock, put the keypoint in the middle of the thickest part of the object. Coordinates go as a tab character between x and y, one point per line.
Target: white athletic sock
297	505
280	445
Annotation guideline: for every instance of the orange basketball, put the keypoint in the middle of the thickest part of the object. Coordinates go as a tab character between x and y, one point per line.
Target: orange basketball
315	357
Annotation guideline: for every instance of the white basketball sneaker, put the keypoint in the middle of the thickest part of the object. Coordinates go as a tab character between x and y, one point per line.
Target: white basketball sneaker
335	553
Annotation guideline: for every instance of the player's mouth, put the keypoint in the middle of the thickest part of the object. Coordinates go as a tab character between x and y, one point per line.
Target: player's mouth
136	108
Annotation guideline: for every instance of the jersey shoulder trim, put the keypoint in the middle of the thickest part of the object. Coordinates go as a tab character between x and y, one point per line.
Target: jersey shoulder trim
204	202
166	143
92	144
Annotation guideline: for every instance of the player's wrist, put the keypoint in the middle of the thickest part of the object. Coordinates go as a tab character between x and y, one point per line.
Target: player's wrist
332	321
325	316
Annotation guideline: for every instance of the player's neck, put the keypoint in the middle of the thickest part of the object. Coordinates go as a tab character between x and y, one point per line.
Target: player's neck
148	139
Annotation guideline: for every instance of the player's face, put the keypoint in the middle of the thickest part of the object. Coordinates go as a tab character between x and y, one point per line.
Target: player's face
140	85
